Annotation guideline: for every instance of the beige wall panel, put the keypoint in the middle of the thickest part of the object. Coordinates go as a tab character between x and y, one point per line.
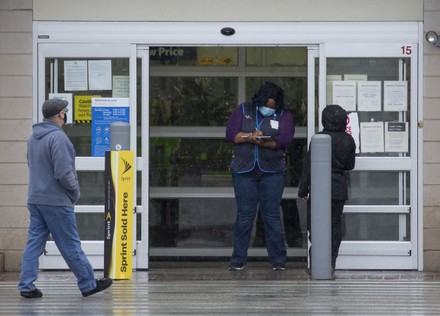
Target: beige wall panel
431	260
229	10
431	88
14	173
431	130
11	43
15	4
16	108
432	5
431	173
14	217
15	130
431	238
13	195
15	238
430	49
431	196
16	64
431	108
431	66
13	259
431	21
431	217
16	21
431	152
14	152
15	86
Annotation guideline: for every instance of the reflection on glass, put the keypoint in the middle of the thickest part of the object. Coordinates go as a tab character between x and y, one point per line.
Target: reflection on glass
91	226
276	56
198	223
193	56
379	188
191	101
92	187
189	162
376	227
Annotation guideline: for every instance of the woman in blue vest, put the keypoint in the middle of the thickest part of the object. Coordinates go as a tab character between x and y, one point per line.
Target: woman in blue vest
260	132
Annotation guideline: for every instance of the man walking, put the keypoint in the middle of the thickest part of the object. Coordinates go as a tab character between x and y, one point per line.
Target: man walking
53	192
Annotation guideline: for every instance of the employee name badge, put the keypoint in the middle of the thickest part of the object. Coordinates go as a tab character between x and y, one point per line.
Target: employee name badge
274	124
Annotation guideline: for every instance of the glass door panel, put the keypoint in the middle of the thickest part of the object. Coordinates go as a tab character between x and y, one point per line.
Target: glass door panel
193	90
380	216
66	71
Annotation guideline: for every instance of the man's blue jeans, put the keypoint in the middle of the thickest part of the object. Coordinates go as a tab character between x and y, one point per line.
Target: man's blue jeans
265	190
60	222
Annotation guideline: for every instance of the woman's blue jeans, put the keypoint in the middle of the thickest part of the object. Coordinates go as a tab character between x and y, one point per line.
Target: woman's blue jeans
60	222
263	190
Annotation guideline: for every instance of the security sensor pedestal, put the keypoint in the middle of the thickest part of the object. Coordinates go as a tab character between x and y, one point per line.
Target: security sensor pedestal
320	193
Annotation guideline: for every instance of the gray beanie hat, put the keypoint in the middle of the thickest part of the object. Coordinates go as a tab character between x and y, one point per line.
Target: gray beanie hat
52	107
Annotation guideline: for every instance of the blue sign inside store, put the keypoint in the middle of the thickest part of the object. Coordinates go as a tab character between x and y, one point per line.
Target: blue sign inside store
106	111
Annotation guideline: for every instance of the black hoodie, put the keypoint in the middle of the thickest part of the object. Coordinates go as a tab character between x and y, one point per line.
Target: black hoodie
334	120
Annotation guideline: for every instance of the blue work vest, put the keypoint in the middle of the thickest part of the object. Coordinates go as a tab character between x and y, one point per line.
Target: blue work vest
247	156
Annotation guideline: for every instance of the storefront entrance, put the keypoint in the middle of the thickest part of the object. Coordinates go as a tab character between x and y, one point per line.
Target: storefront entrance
181	91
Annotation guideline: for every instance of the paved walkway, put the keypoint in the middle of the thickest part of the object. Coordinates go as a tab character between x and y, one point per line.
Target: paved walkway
210	289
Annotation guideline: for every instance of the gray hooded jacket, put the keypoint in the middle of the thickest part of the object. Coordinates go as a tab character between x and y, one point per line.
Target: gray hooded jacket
51	160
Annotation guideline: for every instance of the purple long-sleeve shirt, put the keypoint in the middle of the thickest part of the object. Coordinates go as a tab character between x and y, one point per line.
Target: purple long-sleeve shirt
286	128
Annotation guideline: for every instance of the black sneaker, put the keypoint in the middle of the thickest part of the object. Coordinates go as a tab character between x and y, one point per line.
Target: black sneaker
101	285
32	294
278	266
236	266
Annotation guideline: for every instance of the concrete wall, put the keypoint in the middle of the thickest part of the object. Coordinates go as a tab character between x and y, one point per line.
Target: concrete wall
15	125
228	10
431	142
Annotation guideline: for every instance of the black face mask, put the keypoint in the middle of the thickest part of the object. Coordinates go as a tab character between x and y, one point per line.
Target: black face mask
65	117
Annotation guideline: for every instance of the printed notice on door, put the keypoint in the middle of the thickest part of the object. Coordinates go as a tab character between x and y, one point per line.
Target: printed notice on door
75	75
344	94
372	137
369	96
395	95
396	137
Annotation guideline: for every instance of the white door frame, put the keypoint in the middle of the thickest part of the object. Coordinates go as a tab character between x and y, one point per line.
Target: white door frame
118	39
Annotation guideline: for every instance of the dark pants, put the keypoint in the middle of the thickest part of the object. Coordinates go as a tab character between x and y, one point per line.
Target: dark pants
337	227
264	191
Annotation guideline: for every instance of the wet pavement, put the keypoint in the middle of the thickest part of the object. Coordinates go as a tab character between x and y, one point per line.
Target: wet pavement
186	288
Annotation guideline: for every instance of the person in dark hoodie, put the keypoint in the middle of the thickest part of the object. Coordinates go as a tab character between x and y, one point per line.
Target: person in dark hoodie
334	121
258	170
53	192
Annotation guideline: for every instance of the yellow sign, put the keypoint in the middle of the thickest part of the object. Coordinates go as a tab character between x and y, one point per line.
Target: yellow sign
119	206
83	108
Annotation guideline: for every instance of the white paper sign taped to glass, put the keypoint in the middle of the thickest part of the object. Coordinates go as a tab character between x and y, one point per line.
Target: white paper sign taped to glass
396	137
344	94
119	206
395	95
104	112
372	140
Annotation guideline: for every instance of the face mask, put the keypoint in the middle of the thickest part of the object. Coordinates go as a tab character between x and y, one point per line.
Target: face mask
266	111
65	118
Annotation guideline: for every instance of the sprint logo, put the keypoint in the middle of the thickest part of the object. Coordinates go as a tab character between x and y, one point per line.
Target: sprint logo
127	166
